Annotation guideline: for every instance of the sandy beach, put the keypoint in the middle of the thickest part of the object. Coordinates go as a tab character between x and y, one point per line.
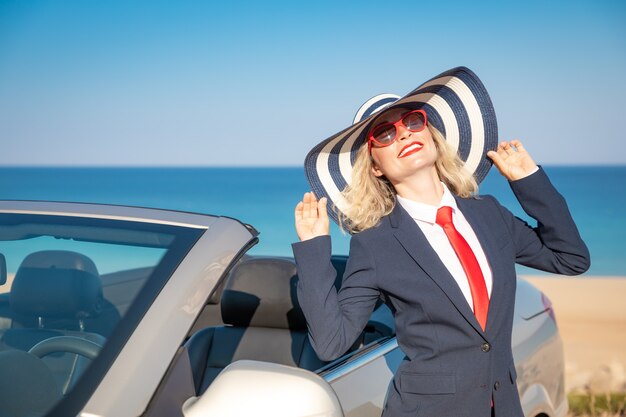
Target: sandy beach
591	315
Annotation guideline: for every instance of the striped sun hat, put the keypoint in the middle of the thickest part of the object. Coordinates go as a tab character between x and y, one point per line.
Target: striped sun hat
456	103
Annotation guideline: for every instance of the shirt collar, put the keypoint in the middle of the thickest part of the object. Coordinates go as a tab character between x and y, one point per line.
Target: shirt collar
426	212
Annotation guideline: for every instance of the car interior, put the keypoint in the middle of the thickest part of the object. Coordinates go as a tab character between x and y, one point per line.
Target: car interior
55	310
53	294
254	314
263	321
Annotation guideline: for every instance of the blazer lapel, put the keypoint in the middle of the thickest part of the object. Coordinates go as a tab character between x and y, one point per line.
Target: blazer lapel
484	234
411	237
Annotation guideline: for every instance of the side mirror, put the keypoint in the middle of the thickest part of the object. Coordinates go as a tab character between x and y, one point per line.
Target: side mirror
3	270
262	389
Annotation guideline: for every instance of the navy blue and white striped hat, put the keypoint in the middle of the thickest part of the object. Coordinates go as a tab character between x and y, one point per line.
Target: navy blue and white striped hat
457	104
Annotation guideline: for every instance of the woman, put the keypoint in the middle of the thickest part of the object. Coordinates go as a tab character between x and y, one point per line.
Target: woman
441	257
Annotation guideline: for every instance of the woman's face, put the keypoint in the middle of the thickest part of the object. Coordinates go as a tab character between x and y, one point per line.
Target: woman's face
410	153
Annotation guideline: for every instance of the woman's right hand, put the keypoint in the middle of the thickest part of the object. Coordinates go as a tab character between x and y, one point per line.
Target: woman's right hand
311	217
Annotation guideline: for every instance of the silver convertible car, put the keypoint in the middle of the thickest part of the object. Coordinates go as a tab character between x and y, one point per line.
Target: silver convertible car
123	311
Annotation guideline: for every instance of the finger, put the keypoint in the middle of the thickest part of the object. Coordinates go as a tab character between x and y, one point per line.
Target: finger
518	145
506	147
497	159
314	214
502	152
306	209
321	208
501	164
298	210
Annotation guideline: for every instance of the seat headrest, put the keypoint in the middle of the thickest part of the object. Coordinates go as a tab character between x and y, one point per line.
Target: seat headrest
262	293
57	284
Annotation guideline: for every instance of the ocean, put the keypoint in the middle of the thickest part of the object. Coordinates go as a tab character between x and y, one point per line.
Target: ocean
266	197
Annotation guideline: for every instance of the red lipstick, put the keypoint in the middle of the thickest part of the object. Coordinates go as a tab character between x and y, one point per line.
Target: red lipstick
410	149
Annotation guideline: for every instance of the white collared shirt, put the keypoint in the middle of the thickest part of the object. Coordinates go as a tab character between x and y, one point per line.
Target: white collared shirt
425	216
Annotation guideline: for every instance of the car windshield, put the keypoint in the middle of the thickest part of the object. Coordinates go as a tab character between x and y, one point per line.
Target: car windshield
72	289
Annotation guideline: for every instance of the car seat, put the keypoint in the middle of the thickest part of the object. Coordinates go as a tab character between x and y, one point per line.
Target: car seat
52	294
263	321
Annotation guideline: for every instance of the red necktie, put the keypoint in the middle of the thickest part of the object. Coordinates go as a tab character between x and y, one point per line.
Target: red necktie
470	265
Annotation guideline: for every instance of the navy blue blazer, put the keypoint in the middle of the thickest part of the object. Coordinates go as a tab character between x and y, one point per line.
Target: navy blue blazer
451	365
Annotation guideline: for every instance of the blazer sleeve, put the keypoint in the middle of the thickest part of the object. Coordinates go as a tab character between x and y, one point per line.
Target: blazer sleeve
555	244
334	319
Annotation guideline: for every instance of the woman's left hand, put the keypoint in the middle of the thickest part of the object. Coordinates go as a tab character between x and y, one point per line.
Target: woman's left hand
512	160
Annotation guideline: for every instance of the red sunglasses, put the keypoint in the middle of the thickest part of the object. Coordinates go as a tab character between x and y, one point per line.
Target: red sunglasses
386	133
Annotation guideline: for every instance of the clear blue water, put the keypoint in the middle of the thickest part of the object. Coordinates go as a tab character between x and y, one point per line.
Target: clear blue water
265	198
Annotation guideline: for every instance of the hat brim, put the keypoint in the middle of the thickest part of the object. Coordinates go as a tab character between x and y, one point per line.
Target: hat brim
457	104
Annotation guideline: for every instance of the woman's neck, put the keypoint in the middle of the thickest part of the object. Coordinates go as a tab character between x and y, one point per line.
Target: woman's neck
423	187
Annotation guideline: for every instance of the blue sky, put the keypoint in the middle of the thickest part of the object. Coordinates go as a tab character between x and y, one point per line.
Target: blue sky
242	83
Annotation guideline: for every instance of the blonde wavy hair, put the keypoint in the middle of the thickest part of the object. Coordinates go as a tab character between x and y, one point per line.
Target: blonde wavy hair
369	198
